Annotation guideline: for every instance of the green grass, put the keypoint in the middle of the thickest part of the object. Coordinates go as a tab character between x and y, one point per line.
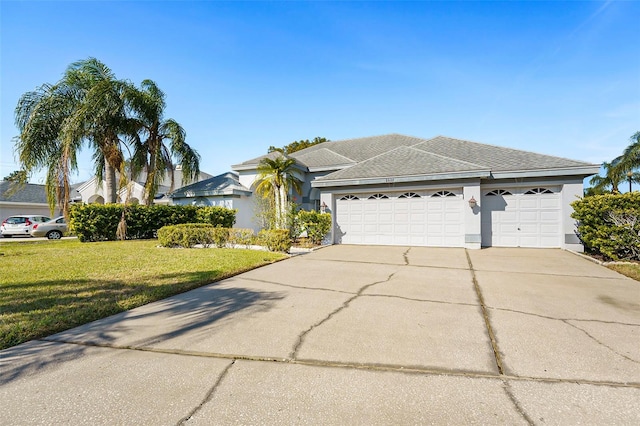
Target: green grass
51	286
631	271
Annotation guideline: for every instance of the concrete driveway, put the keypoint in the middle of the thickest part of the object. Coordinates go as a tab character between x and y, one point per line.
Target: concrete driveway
353	335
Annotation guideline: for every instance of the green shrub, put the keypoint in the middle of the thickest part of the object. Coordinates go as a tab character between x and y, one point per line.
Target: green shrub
241	236
187	235
609	224
316	224
217	216
220	236
97	222
275	239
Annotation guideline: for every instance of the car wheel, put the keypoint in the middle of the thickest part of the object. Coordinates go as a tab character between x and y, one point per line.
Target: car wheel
54	235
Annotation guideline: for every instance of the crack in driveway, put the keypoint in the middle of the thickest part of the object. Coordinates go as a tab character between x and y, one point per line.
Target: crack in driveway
209	394
516	404
296	347
599	342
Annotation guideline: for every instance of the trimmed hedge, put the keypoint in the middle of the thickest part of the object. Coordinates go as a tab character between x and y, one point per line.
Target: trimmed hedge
187	235
275	239
316	224
97	222
609	224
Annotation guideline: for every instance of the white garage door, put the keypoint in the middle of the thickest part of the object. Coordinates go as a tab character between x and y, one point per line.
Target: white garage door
528	217
430	218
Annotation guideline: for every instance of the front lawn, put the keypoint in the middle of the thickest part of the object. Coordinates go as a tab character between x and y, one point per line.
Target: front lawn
630	270
51	286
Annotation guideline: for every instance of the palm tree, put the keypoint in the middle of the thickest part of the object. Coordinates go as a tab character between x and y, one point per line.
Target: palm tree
151	154
275	177
40	117
100	118
610	181
86	105
628	164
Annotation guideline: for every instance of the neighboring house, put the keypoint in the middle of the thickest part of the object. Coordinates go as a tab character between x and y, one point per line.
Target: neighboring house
92	192
16	199
224	190
443	192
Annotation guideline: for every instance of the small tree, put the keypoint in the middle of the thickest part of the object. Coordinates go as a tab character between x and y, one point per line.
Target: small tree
275	178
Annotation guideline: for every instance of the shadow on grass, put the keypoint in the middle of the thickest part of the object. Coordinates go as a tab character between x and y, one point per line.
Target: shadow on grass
180	315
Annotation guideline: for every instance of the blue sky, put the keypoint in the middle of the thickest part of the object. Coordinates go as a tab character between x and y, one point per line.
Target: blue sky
560	78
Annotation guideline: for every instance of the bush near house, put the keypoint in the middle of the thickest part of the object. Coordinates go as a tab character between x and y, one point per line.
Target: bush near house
316	224
97	222
275	239
609	224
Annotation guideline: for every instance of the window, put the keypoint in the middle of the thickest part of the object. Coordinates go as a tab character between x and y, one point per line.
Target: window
497	192
409	195
378	197
539	191
444	194
349	198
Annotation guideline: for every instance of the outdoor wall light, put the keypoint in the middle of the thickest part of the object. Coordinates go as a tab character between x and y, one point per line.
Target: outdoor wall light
323	207
472	202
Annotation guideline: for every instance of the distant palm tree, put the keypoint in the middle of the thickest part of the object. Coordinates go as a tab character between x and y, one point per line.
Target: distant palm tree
628	164
609	182
275	177
151	154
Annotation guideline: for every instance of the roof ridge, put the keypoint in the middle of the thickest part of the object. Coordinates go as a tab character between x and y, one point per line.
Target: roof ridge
507	148
327	149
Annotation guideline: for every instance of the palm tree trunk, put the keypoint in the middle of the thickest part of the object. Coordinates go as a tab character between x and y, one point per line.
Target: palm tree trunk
283	207
110	183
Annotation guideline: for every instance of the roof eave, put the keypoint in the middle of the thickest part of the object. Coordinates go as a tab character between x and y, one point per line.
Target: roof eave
194	194
588	170
333	167
323	183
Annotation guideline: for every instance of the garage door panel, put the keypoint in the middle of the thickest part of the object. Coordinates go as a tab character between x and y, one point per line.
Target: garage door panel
549	229
401	220
549	216
527	218
385	228
550	203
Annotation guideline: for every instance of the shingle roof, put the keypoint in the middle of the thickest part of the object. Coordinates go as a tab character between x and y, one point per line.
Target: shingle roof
322	157
27	193
400	155
497	158
405	161
224	184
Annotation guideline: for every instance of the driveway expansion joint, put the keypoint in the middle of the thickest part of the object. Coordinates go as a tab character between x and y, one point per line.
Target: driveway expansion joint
485	315
515	311
443	302
298	286
296	347
357	366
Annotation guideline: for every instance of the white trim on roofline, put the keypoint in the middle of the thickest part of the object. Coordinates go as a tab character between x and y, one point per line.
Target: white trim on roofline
592	169
23	204
400	179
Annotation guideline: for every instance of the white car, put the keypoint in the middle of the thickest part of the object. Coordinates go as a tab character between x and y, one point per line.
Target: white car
53	230
20	224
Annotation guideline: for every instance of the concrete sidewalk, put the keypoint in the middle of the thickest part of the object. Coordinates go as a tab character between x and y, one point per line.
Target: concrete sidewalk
353	335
